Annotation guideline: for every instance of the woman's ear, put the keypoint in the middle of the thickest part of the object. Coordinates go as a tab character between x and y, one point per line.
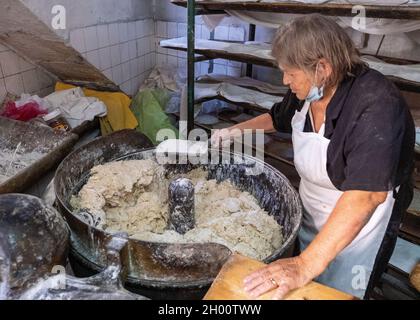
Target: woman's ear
324	69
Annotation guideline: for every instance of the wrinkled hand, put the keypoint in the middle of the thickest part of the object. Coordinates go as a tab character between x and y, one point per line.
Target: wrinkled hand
224	137
283	275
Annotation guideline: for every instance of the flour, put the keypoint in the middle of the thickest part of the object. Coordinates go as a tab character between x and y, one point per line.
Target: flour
14	161
132	196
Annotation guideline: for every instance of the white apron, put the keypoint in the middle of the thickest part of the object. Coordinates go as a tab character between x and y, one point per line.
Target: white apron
350	271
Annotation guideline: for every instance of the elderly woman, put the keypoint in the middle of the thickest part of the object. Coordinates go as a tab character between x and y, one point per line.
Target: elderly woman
353	139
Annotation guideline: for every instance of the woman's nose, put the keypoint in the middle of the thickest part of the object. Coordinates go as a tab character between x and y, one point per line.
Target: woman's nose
286	79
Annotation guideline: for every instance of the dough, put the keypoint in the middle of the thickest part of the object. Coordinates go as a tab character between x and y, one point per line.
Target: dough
132	196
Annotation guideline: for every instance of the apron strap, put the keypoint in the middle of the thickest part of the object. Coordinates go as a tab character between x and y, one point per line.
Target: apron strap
305	108
403	199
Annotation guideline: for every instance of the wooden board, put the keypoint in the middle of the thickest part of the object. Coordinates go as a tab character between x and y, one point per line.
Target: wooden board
333	9
228	284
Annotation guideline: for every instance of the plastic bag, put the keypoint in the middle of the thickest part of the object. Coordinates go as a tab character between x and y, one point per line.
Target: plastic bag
25	113
148	107
26	98
214	106
165	77
174	103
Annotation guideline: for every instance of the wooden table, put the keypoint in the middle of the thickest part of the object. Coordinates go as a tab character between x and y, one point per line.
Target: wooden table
228	284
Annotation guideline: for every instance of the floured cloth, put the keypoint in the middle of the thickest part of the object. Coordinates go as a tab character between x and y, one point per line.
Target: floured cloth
263	50
244	82
76	107
236	94
377	26
119	115
408	72
260	50
373	25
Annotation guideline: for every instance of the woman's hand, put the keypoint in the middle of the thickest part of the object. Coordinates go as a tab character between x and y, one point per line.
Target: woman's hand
282	275
224	137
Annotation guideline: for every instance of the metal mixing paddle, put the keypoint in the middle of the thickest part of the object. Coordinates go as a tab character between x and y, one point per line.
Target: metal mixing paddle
181	205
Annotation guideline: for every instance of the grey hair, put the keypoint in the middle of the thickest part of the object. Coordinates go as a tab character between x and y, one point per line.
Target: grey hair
302	42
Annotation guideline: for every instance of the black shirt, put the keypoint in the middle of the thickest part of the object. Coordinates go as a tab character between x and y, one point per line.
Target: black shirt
370	129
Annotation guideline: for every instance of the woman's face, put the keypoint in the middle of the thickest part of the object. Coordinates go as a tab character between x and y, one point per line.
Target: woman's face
299	81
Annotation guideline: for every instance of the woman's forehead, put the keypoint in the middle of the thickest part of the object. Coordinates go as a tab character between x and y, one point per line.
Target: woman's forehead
288	68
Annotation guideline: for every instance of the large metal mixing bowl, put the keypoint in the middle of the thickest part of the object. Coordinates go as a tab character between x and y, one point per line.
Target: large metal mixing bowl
169	267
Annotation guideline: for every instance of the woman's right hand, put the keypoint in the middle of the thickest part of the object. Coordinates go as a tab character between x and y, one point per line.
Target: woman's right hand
224	137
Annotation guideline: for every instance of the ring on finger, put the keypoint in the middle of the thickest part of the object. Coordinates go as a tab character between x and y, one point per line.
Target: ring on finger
274	282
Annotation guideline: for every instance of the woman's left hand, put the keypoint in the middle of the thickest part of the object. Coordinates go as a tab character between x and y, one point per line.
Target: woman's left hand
282	275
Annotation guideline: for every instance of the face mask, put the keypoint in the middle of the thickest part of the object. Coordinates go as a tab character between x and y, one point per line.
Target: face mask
315	93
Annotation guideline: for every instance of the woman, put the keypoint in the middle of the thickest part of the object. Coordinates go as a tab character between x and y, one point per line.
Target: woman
353	139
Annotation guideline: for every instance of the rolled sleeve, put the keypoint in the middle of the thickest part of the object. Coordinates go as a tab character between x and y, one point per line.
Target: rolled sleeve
283	112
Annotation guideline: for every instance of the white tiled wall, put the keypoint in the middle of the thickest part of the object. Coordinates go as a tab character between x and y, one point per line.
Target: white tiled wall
167	30
18	76
124	52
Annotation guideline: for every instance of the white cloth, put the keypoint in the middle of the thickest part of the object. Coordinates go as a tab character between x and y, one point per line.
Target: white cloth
244	82
213	20
258	50
263	50
409	72
264	19
381	26
76	107
319	197
378	26
373	25
414	36
236	94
